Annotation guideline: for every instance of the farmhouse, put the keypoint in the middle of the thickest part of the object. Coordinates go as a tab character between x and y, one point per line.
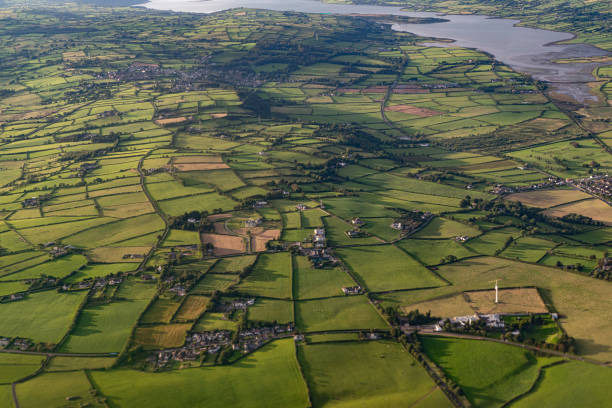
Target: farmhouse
318	238
301	207
357	221
354	233
178	290
351	290
252	222
30	202
397	225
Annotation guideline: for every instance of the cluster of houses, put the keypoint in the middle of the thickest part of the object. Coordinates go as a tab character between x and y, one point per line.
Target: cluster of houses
492	321
212	342
59	251
301	207
320	257
599	185
235	304
605	265
549	183
101	283
356	231
35	201
260	204
252	339
21	344
195	344
410	223
178	251
318	238
133	256
84	284
462	238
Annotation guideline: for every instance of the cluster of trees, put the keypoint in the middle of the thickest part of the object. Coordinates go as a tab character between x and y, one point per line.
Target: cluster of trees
192	221
574	218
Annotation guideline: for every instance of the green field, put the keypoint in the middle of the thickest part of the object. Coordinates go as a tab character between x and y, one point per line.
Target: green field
385	267
271	310
14	367
268	378
162	174
432	252
55	389
490	374
270	277
337	313
373	374
559	383
106	328
317	283
43	317
445	228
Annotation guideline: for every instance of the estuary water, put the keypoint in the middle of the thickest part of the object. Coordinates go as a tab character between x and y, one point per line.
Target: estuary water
527	50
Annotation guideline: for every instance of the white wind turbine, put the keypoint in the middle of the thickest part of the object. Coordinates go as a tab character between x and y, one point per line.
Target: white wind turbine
496	290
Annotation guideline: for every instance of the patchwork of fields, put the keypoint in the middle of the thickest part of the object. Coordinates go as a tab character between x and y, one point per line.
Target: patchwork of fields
258	209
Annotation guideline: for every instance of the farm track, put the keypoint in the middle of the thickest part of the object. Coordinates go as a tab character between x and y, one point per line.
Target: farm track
158	211
388	94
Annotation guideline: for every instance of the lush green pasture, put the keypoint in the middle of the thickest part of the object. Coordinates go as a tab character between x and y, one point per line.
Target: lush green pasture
271	310
116	231
233	264
160	311
335	230
58	268
433	252
490	374
270	277
570	384
386	267
14	367
372	374
57	390
311	283
204	202
105	328
61	363
337	313
214	321
492	241
43	317
212	282
528	249
445	228
268	378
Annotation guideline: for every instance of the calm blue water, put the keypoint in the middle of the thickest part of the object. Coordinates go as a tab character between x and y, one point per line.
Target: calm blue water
525	49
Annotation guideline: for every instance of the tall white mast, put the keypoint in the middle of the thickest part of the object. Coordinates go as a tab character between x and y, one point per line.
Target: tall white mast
496	292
